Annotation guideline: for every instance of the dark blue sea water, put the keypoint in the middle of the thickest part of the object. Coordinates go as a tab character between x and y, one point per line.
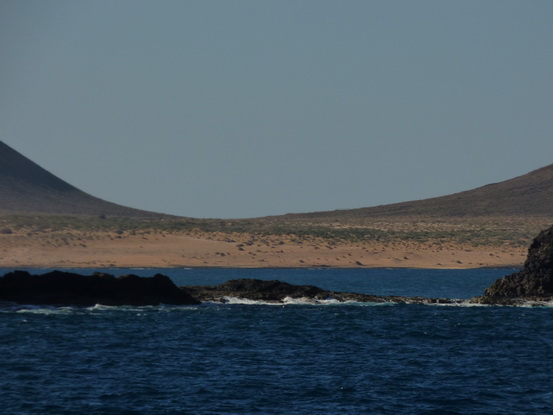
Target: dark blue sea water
291	359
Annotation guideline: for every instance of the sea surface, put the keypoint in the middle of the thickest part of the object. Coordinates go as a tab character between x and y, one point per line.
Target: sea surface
249	358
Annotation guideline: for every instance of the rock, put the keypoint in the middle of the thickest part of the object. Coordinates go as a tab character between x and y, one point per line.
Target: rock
70	289
277	291
254	289
533	283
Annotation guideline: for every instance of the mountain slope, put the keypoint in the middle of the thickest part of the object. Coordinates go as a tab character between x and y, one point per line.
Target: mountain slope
527	195
26	187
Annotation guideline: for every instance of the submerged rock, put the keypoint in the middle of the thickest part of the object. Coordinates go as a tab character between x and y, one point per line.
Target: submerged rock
534	283
66	288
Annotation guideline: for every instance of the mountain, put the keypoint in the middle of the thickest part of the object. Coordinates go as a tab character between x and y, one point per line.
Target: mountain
527	195
25	187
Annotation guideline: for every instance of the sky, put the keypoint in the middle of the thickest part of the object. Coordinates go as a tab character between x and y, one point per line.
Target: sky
248	108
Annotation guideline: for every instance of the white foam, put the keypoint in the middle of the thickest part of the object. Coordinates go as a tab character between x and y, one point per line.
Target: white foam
304	301
141	308
298	301
531	304
246	301
285	301
458	303
98	308
46	310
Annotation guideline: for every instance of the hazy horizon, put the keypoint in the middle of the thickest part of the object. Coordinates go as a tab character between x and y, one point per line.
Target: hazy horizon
256	108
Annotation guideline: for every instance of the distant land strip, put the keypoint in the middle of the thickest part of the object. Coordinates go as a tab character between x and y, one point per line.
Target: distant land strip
46	222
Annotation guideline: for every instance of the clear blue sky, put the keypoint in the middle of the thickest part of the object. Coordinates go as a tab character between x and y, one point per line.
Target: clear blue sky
218	108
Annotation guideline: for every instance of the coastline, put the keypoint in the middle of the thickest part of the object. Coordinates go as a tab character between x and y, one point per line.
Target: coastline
79	249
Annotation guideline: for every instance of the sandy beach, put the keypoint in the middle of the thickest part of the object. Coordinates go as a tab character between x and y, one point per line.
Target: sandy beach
201	249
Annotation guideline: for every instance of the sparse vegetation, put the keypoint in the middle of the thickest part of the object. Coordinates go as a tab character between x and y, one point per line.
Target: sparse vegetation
495	231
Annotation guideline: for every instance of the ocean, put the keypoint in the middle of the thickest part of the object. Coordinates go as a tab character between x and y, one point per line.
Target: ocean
251	358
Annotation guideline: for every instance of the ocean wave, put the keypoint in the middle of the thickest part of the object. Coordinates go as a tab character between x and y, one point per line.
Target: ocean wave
458	303
229	300
300	301
533	304
304	301
97	308
46	310
141	308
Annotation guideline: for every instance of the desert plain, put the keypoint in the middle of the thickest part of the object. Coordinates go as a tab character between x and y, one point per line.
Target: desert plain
397	244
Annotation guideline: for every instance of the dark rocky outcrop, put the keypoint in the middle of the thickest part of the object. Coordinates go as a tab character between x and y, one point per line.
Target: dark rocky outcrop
254	289
277	292
534	283
70	289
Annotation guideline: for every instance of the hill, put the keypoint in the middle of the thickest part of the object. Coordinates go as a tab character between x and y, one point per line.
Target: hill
529	195
27	188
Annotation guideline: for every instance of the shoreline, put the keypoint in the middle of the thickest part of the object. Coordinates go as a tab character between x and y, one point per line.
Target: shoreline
65	267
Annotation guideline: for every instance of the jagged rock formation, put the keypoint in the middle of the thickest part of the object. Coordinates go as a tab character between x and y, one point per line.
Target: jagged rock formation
278	292
69	289
533	283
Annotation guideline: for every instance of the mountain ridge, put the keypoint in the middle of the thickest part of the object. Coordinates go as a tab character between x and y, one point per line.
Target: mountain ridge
27	188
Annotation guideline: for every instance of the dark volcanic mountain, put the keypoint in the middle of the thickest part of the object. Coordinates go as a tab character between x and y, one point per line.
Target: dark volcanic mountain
26	187
527	195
